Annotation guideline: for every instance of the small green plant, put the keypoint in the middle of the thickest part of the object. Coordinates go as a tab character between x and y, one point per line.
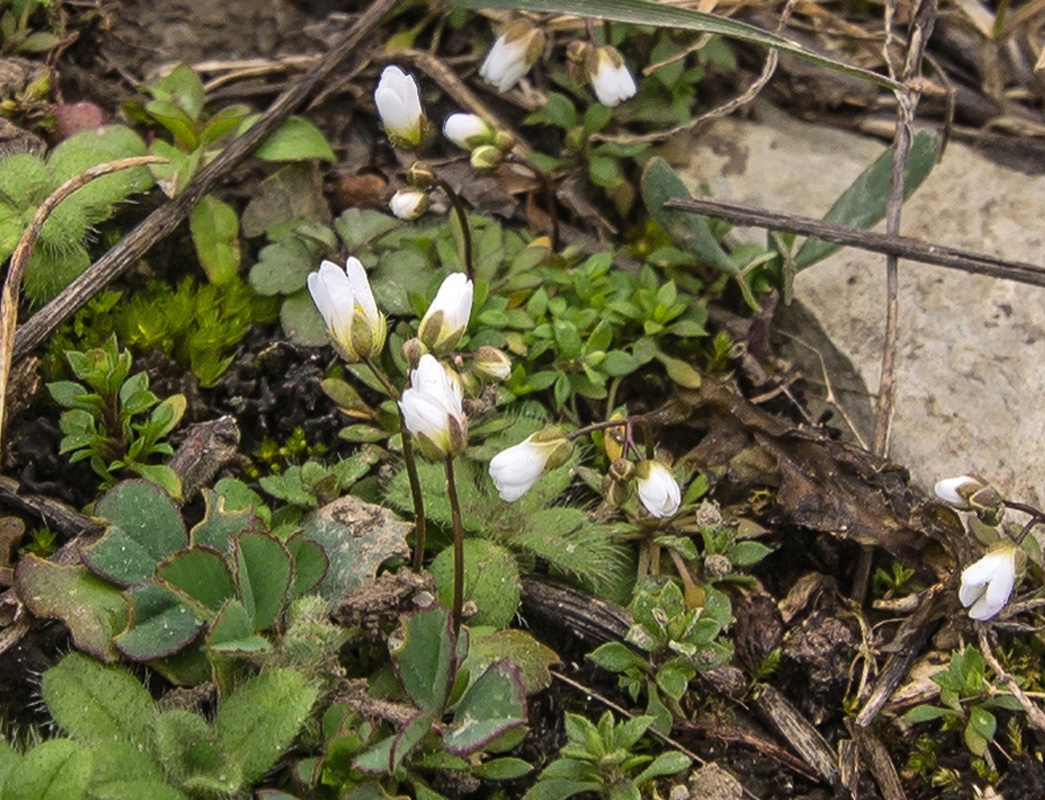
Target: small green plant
599	758
100	425
178	105
887	584
17	21
192	602
966	700
461	714
124	745
677	641
26	180
198	325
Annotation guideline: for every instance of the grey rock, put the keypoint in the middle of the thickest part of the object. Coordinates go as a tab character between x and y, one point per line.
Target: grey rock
971	349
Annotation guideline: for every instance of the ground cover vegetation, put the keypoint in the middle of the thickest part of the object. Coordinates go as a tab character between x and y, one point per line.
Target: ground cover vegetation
425	445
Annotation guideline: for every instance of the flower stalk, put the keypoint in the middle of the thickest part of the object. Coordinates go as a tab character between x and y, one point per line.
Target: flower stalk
458	528
466	228
410	460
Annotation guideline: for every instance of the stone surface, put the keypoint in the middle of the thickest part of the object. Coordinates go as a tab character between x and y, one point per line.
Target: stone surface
971	349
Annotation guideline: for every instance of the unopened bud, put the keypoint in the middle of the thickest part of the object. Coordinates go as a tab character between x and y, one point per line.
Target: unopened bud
486	157
420	175
491	363
413	349
621	470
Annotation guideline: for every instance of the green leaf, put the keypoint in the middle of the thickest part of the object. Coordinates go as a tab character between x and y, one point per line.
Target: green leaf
199	576
296	139
503	769
160	624
97	704
681	372
863	204
219	526
618	362
181	126
93	610
136	790
310	564
98	146
54	770
660	183
263	574
924	713
233	631
980	730
559	789
617	657
744	554
672	682
215	232
257	723
648	12
183	88
144	529
492	706
302	321
191	753
531	657
491	580
425	659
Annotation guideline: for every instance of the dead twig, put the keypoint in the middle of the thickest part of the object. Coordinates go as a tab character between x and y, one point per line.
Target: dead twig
905	247
1035	716
20	260
165	219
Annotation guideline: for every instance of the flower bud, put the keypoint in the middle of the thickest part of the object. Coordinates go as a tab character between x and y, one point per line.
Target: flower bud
446	320
468	131
512	55
972	493
399	106
486	157
409	204
988	583
432	410
344	299
621	470
413	349
420	175
658	490
515	470
609	77
491	363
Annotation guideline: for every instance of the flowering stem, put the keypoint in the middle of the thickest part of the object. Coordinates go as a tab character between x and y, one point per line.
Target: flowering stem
410	460
466	228
549	195
599	426
455	513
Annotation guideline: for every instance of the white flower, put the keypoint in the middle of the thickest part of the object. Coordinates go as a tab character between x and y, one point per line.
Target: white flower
658	490
987	583
468	131
432	410
399	106
610	78
949	490
446	320
409	203
512	55
515	470
343	296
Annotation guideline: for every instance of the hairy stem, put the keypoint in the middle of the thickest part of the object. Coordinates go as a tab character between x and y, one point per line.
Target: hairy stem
466	228
455	513
410	460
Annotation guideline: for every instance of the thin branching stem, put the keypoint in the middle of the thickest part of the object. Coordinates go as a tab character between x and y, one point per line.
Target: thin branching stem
455	515
410	460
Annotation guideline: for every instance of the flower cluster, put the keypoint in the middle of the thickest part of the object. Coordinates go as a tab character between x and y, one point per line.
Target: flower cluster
987	584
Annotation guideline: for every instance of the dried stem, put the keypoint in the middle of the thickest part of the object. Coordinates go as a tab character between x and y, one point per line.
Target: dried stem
1035	716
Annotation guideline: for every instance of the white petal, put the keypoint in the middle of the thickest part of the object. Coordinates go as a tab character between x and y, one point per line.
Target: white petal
364	297
462	128
947	489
